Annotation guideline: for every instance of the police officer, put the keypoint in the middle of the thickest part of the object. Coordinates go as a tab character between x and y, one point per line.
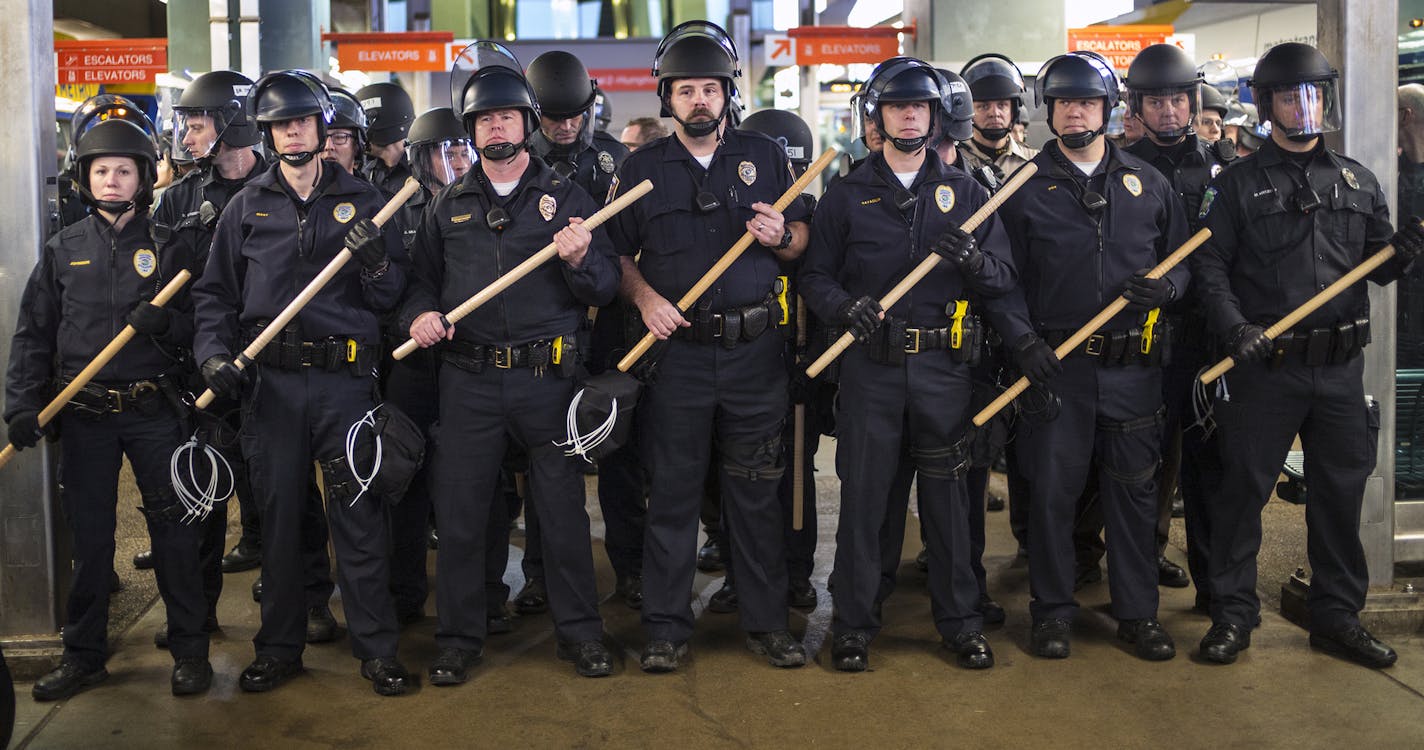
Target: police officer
1084	230
721	376
389	114
998	90
1162	90
346	137
1213	114
904	394
567	140
92	279
506	373
314	381
1285	224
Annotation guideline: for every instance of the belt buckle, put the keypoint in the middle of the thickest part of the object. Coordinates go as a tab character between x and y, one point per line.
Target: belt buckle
503	357
306	353
721	325
116	401
915	347
1095	345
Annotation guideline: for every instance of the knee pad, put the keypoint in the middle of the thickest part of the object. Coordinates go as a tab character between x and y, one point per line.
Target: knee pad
755	460
339	481
1145	429
940	462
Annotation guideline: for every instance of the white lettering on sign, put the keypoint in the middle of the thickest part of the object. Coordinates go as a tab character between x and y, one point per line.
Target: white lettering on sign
388	55
118	59
860	48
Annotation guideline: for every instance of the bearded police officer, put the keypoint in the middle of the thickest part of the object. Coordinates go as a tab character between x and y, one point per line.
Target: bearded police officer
507	369
1286	223
721	376
315	380
389	114
1085	229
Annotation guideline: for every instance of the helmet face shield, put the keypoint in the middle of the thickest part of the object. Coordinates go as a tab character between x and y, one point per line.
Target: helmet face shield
1303	110
195	134
440	163
476	57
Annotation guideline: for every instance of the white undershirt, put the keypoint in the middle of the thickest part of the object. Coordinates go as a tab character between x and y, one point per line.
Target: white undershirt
705	161
1087	167
503	189
907	178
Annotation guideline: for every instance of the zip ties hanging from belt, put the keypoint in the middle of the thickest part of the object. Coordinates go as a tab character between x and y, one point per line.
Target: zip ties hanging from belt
1203	405
199	498
580	444
352	436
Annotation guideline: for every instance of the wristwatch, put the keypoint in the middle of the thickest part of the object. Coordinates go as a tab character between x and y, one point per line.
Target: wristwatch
785	239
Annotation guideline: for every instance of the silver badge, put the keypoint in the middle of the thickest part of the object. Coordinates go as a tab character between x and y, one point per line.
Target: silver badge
747	171
605	161
1350	178
547	207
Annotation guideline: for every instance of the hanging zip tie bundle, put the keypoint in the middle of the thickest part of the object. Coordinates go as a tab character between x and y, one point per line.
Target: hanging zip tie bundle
199	498
353	436
1203	404
580	444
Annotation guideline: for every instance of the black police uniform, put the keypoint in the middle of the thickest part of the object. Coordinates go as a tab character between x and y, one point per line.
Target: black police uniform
76	301
1283	228
311	384
389	180
904	397
723	381
500	382
1071	264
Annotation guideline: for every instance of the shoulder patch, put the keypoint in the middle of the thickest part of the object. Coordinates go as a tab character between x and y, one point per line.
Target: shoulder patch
612	190
1207	198
145	262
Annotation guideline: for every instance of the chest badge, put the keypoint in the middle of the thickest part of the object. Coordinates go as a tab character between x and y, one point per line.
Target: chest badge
1350	178
547	207
747	171
344	212
1133	184
145	262
944	198
605	162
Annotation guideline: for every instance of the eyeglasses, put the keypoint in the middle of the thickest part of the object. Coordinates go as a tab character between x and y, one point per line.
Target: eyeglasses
340	139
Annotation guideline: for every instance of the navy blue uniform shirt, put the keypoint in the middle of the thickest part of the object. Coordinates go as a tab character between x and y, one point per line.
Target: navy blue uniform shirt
180	208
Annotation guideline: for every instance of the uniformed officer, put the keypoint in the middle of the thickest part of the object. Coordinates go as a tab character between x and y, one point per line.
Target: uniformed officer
346	136
1162	91
389	114
998	90
507	369
720	378
1084	230
1286	223
93	278
904	390
567	141
314	381
1213	114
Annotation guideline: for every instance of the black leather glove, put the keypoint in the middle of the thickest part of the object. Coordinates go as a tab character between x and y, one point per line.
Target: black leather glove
1036	359
24	429
149	319
958	247
861	316
1144	294
1248	343
1409	240
365	243
224	377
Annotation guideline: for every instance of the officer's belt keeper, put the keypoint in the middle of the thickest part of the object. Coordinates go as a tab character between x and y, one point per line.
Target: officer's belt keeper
1328	345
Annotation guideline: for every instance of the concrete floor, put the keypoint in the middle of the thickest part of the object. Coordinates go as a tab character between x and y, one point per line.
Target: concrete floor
1279	694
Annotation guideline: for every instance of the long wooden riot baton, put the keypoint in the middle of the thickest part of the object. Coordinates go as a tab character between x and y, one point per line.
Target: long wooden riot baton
280	322
95	365
534	261
731	256
1355	276
1092	326
925	266
798	434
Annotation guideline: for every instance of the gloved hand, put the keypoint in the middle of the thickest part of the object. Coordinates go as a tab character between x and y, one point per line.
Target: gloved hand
1409	240
1036	359
24	429
1248	343
958	247
1144	294
861	316
224	377
208	215
149	319
365	243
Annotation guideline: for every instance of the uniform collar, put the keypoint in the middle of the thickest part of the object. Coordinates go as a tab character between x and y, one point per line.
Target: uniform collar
1270	154
1191	150
1112	161
334	180
731	144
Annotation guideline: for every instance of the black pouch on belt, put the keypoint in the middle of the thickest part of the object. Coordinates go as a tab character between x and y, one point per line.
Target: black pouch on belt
755	321
402	452
600	393
1317	346
892	341
731	328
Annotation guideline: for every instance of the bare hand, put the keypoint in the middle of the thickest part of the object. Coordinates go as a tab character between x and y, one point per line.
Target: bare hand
660	316
768	225
572	242
430	329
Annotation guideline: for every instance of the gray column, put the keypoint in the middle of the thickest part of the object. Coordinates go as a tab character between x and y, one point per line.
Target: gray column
1025	30
291	34
189	46
29	573
1360	37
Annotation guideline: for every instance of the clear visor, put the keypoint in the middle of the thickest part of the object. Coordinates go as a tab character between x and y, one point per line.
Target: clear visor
1166	111
195	133
1309	108
436	165
1222	77
471	60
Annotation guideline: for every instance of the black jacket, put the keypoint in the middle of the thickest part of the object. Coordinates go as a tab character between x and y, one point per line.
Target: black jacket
591	167
180	208
1188	166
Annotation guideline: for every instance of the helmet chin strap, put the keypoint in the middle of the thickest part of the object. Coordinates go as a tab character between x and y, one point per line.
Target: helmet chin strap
701	129
1077	141
298	159
909	145
503	151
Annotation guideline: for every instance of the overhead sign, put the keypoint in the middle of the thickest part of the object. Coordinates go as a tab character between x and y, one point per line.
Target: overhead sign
110	61
417	56
778	50
1119	44
844	45
624	79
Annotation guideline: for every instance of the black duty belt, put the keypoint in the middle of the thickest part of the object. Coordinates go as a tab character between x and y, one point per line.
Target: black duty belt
560	352
963	338
289	352
1148	345
1329	345
98	399
732	326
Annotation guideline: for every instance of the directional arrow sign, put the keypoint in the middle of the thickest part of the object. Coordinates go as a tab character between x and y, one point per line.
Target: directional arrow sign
779	50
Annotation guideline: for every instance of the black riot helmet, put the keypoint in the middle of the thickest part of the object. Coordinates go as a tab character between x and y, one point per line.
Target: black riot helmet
904	79
1077	75
564	91
288	95
118	137
1212	98
787	129
956	118
101	108
697	49
487	76
994	77
222	96
438	148
1295	89
1164	70
602	109
347	113
389	112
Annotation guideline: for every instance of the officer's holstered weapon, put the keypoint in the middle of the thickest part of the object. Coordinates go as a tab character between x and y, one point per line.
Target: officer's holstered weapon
1295	316
90	370
549	252
249	355
928	264
1092	326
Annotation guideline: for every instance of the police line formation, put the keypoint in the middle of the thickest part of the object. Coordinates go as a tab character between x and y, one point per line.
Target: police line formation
955	258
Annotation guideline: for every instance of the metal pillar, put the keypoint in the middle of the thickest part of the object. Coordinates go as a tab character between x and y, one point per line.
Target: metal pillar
1025	30
30	576
291	34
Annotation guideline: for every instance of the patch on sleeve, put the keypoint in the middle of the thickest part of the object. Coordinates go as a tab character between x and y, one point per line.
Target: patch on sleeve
1207	198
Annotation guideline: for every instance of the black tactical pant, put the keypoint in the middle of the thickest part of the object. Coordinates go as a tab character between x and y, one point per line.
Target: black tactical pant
1199	473
411	387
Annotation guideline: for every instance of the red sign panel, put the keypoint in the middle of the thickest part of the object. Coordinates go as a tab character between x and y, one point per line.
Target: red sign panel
110	61
844	50
624	79
387	57
1119	44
